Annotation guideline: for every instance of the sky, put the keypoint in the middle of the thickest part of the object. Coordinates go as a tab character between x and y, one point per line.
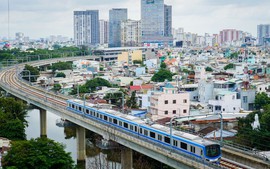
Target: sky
42	18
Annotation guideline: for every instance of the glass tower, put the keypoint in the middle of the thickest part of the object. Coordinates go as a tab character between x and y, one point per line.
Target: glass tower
116	16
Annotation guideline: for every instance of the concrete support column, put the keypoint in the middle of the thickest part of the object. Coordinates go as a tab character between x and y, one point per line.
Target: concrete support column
80	134
43	122
126	158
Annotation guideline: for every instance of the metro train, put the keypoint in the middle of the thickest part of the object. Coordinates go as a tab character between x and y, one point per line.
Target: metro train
181	142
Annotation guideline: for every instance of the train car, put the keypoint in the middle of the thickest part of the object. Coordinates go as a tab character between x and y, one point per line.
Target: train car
177	141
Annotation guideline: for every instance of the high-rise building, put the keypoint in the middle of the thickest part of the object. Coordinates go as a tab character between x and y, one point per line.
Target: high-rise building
103	31
230	35
116	16
156	23
19	36
131	33
167	20
86	27
263	32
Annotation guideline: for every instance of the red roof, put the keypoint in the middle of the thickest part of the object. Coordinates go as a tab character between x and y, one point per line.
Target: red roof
141	87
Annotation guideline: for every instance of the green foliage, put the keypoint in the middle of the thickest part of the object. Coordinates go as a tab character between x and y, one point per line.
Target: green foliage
12	119
234	55
229	66
137	62
40	153
131	102
258	138
60	74
114	98
61	66
208	69
96	82
163	65
261	100
162	75
56	87
34	73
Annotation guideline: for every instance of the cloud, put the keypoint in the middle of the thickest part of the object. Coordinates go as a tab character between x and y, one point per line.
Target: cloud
41	18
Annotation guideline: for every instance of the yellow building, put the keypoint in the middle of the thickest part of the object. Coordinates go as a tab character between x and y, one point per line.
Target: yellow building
129	56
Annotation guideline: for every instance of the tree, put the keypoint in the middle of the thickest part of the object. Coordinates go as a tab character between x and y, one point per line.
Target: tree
114	98
40	153
61	66
131	102
162	75
34	73
60	74
229	66
261	100
163	65
208	69
12	119
96	82
56	87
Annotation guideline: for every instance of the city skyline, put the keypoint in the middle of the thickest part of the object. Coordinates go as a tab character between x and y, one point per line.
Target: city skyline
42	19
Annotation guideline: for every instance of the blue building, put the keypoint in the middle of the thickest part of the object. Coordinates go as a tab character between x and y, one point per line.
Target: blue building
116	16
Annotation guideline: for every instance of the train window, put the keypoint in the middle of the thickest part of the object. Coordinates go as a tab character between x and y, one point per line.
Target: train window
135	129
152	134
192	149
101	116
159	137
97	115
120	123
183	145
201	152
94	113
141	130
167	140
73	106
114	121
125	125
131	127
175	143
87	111
110	119
105	118
80	109
91	113
145	132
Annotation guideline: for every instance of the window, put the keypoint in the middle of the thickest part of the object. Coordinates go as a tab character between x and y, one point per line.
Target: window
152	134
87	111
105	118
110	119
245	99
131	127
166	102
174	101
97	115
114	121
223	109
167	140
192	149
175	143
234	108
73	106
125	125
185	100
120	123
101	116
166	112
135	129
159	137
94	113
80	109
141	130
183	145
174	111
184	111
217	107
145	132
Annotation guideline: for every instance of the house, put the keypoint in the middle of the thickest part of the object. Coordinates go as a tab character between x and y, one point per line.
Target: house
169	103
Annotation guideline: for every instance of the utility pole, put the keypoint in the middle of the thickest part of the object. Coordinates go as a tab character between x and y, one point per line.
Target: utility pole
8	22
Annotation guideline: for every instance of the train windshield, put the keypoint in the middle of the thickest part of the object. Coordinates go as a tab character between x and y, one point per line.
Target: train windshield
212	150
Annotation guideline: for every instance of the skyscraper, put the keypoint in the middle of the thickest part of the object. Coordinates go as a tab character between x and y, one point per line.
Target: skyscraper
116	16
104	31
263	32
167	20
131	33
156	22
86	27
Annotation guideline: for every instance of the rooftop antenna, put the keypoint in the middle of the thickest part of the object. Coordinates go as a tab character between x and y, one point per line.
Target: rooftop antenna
8	21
